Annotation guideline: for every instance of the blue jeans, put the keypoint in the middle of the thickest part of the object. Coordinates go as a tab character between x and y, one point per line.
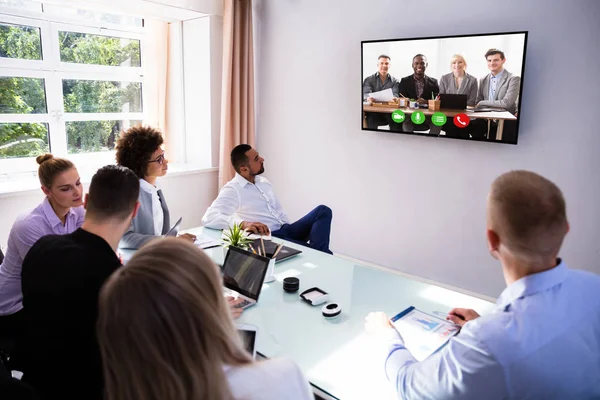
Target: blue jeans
314	228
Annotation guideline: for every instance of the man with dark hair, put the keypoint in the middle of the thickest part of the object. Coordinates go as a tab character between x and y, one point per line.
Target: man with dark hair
380	80
421	88
61	278
499	89
249	199
543	340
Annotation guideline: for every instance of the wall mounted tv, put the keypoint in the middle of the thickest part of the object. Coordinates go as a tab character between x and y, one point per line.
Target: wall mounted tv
460	87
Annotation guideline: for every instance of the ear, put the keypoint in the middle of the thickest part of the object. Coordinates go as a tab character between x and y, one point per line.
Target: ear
493	243
46	191
135	209
85	200
244	169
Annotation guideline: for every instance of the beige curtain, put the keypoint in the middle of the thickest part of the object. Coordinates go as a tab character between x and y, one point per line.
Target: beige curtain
237	96
155	61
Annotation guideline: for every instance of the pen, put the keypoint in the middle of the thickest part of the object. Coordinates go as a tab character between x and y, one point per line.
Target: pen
277	250
262	244
252	248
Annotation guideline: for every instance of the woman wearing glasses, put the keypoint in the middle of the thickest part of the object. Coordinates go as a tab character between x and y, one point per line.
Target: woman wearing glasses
139	149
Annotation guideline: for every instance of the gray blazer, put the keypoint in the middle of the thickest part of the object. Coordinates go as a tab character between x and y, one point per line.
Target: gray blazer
468	86
507	92
141	229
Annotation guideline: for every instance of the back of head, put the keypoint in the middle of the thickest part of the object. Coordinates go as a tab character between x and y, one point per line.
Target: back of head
239	157
164	329
113	194
135	147
528	213
50	167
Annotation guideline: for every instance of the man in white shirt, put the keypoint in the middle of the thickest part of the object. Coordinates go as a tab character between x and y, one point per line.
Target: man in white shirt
249	199
543	340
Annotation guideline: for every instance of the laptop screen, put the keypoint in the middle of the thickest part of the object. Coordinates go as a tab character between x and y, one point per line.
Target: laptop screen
244	272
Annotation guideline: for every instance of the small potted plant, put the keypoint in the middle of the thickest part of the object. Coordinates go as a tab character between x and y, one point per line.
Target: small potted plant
235	236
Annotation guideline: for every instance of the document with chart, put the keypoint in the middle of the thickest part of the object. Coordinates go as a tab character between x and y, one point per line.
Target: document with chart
423	334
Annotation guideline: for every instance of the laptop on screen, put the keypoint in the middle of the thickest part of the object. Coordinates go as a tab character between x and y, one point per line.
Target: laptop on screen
453	101
243	275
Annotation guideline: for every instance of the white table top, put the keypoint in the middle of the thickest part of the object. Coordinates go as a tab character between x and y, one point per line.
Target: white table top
336	355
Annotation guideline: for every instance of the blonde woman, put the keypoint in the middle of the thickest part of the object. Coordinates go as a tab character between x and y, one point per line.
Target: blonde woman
61	212
458	81
165	332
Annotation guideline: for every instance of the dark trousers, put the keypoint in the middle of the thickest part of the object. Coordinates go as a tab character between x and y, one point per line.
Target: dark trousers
314	228
479	128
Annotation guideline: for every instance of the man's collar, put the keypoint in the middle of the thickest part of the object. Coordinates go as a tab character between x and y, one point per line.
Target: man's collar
499	74
240	180
51	215
532	284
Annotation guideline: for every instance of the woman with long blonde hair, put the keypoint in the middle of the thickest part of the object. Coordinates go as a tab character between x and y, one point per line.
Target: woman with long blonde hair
166	332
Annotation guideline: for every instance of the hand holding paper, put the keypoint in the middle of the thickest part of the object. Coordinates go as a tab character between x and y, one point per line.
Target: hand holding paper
383	96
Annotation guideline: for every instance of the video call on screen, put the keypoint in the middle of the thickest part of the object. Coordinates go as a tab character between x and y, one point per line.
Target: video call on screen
243	272
445	87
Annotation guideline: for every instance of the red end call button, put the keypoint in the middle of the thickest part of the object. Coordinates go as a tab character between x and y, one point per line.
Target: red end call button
462	120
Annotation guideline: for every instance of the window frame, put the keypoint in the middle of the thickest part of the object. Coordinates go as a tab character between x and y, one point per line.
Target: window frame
53	71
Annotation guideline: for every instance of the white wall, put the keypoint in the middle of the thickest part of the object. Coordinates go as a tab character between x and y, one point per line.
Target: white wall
417	204
188	195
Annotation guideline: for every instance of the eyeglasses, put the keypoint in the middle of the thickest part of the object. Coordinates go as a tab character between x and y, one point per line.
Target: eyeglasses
160	159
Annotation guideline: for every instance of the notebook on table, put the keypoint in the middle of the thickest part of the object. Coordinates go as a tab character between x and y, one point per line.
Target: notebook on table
423	334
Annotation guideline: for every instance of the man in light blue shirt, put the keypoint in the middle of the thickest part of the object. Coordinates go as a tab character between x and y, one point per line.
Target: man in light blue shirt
543	341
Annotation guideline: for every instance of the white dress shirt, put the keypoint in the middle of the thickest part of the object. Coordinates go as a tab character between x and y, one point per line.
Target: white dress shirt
240	200
543	342
273	379
157	211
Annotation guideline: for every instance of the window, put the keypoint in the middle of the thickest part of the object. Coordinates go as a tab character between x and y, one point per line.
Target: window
67	88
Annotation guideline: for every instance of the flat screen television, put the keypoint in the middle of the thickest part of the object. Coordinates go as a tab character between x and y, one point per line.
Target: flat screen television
460	87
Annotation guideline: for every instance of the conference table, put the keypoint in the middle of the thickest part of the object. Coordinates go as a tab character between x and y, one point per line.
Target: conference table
499	115
337	356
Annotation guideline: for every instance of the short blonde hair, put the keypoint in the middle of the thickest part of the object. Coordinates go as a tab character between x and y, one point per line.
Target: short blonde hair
528	213
456	56
164	327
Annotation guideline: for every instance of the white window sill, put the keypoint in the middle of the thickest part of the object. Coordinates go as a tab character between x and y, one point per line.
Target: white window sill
17	184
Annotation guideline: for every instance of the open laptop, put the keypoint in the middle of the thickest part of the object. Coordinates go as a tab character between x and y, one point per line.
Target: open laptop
270	247
453	101
243	275
175	228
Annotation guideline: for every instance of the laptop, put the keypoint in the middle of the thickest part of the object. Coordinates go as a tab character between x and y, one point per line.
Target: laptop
270	247
243	275
453	101
174	229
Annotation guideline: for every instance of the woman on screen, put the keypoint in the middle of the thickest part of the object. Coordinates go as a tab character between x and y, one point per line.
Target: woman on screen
458	81
165	332
139	149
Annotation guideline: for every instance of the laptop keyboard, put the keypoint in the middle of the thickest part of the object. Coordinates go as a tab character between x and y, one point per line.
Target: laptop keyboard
242	304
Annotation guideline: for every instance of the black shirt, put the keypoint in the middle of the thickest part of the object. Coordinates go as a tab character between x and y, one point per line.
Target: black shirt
61	279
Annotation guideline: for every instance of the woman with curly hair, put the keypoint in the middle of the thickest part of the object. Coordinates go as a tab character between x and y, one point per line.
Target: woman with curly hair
139	149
